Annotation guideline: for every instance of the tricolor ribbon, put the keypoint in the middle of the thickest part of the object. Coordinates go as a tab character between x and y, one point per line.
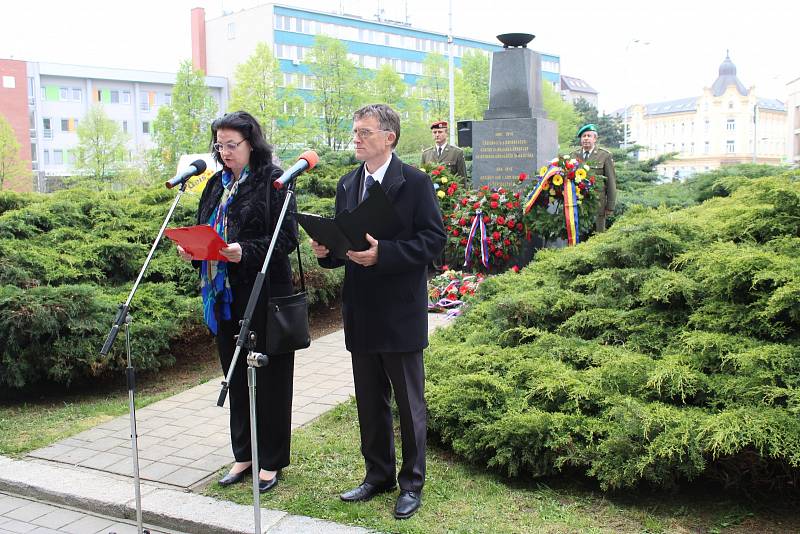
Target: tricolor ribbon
571	212
477	222
544	183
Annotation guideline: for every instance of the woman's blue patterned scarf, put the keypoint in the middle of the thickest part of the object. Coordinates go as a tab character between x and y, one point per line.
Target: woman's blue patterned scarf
214	283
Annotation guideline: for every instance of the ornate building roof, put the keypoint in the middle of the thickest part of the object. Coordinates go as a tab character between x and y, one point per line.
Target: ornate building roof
727	76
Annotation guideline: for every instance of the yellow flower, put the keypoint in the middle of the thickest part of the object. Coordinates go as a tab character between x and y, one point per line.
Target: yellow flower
558	180
542	171
579	196
580	174
443	180
440	194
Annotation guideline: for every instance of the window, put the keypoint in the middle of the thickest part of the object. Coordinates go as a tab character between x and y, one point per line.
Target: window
58	157
707	125
46	126
9	82
145	127
731	146
691	148
46	157
77	94
63	93
115	97
125	97
731	125
31	90
124	126
144	102
232	30
707	148
167	100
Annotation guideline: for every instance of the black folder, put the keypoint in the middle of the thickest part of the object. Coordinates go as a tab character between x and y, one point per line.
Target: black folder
347	231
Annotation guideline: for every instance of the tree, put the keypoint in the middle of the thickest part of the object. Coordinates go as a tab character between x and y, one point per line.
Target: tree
183	126
337	89
101	145
389	88
435	87
258	90
609	127
11	166
472	86
563	113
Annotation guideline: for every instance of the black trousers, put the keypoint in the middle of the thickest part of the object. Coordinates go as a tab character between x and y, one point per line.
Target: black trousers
375	377
273	392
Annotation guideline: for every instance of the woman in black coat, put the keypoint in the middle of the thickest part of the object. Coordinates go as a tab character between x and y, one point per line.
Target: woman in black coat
241	204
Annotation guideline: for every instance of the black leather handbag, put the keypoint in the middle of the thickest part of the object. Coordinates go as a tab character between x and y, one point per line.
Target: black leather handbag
287	319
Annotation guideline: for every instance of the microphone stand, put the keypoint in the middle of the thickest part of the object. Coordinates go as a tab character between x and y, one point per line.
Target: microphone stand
123	318
247	339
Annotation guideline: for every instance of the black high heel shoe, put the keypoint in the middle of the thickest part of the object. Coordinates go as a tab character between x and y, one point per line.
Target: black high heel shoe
234	478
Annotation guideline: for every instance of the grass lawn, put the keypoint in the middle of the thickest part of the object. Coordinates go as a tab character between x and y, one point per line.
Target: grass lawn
36	422
462	499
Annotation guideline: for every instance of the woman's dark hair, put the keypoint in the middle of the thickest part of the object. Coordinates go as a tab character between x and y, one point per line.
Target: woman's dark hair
248	126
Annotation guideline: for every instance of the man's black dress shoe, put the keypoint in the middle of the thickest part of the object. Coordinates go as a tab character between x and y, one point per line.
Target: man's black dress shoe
229	479
408	502
266	485
366	491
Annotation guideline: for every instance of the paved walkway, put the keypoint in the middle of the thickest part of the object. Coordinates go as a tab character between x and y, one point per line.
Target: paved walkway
184	440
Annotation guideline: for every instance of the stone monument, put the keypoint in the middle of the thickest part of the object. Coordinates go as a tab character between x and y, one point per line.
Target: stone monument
515	135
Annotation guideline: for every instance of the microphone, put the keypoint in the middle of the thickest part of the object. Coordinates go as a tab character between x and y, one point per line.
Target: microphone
197	167
307	160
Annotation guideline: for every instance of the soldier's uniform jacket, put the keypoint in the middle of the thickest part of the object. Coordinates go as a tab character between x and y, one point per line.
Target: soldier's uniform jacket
452	157
601	163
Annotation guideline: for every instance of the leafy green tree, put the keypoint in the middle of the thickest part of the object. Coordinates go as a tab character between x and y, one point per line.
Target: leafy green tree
258	90
101	145
183	126
11	166
563	113
389	88
337	89
435	87
472	86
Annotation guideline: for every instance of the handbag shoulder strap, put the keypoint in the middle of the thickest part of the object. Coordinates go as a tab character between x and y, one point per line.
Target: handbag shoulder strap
300	266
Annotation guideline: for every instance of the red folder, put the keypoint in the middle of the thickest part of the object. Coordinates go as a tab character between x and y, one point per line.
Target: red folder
202	241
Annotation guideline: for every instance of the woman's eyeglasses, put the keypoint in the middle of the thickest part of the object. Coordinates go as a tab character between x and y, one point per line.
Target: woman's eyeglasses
229	146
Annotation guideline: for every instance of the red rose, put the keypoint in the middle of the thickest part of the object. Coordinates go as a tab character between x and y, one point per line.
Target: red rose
569	165
496	236
516	195
591	180
486	219
519	226
571	175
445	268
493	204
449	228
582	186
452	296
498	253
495	196
436	172
463	243
456	232
440	168
515	268
491	247
484	188
501	190
464	201
516	203
462	221
506	242
523	177
463	289
506	257
501	219
510	225
476	205
510	205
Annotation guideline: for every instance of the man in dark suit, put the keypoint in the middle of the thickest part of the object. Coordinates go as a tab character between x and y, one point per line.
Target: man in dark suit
601	163
444	153
384	308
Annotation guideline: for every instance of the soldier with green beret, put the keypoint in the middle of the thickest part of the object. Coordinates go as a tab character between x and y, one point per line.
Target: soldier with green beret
601	163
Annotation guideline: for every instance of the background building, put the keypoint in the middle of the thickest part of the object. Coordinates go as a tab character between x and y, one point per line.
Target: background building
220	44
573	89
727	124
793	120
55	97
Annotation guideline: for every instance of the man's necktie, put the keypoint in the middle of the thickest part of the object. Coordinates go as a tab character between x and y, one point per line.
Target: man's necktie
367	184
440	151
585	156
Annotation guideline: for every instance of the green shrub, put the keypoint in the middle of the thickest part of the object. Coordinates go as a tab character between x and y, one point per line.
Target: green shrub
666	349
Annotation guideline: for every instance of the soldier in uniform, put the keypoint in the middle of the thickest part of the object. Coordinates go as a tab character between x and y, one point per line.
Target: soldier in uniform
444	153
601	163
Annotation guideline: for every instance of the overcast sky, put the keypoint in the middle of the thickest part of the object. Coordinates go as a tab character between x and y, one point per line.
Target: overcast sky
678	52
